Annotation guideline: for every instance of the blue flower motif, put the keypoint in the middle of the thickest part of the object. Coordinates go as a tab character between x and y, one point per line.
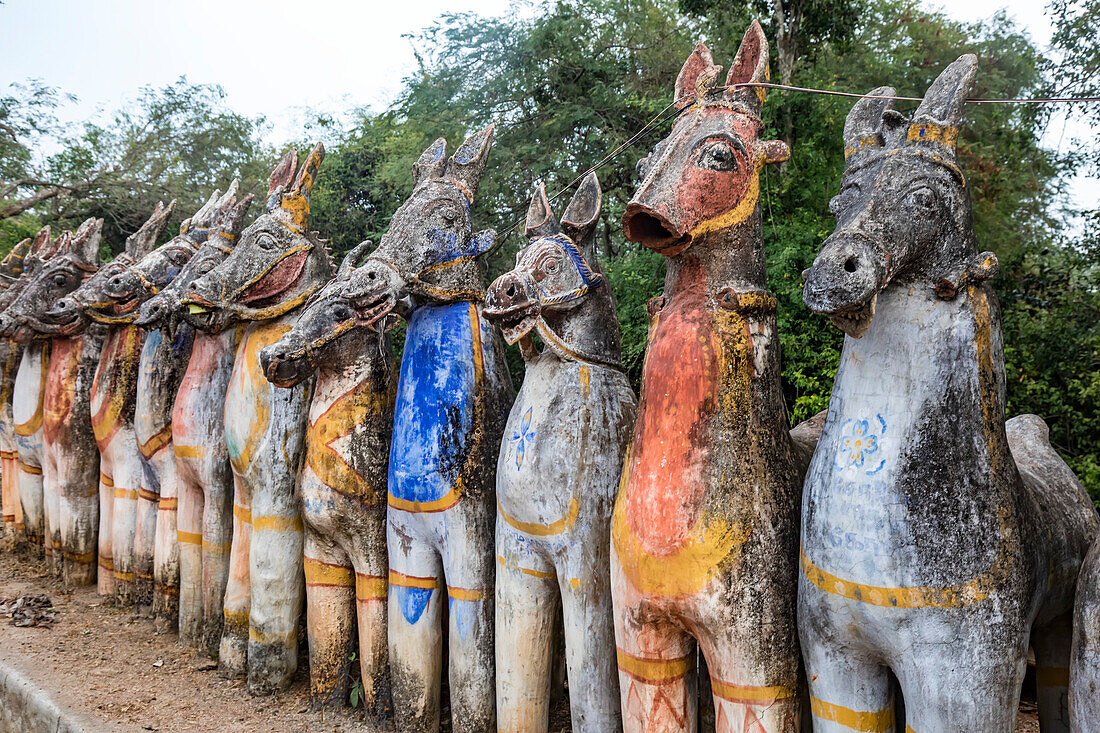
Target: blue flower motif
859	442
523	437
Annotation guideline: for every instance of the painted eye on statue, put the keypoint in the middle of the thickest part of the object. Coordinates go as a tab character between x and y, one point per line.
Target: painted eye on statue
550	266
718	155
265	241
60	280
836	203
923	197
448	214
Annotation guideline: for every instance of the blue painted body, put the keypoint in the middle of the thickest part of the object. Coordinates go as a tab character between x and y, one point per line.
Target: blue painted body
440	374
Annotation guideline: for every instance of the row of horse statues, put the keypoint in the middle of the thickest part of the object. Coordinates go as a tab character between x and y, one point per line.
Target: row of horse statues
216	427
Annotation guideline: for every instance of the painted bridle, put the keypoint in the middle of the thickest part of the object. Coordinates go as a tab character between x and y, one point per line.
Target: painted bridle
589	279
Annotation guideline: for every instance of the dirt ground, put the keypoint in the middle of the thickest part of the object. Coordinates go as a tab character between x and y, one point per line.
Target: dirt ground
108	664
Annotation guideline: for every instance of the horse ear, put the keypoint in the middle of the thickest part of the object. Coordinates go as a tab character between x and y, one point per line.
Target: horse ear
580	217
142	242
540	219
41	239
937	118
354	257
699	61
482	242
84	245
430	164
468	163
863	127
307	174
12	264
232	220
750	65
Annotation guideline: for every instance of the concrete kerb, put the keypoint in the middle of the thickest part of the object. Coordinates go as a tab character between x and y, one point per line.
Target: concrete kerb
24	706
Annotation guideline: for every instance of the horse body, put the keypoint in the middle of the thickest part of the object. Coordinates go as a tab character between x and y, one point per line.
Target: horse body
709	492
558	468
925	552
341	489
277	265
29	391
11	269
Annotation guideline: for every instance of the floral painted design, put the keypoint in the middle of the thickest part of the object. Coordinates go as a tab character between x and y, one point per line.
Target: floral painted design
859	442
524	437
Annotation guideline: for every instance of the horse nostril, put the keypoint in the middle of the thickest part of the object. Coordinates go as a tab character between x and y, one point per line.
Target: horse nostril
850	264
510	291
371	274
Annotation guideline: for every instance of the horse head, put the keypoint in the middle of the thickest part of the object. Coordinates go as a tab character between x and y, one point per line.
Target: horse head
556	288
278	263
20	265
903	213
97	298
705	176
317	338
429	251
205	240
65	265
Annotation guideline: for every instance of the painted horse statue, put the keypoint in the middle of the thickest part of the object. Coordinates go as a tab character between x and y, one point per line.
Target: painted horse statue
114	395
1084	673
11	270
29	393
705	525
342	489
70	460
277	265
195	524
453	396
558	470
936	543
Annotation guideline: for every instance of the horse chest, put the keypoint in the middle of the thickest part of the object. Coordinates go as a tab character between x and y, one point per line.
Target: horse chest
30	380
440	410
248	400
563	438
159	372
60	393
10	353
114	387
198	415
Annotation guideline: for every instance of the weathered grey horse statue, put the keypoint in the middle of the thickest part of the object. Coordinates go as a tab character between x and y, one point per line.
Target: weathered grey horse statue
11	270
935	544
1084	673
29	391
705	525
453	394
278	264
70	460
122	499
558	470
194	541
342	489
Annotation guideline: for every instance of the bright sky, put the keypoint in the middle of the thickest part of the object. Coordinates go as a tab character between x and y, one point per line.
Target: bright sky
325	54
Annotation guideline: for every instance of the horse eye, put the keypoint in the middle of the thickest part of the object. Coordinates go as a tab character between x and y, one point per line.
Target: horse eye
551	266
60	279
718	156
265	241
924	197
341	312
447	214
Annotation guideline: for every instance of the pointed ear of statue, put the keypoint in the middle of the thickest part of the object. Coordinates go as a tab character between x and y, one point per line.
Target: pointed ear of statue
699	61
431	163
940	112
468	163
750	65
84	245
581	216
540	219
232	220
863	127
144	240
354	258
281	176
307	174
41	241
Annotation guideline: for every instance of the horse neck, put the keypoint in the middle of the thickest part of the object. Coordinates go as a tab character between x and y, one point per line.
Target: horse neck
588	332
729	258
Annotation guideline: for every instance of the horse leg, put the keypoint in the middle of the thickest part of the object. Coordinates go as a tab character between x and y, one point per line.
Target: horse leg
78	505
106	578
971	684
330	615
275	569
414	629
145	536
233	650
30	499
1052	645
10	497
166	548
590	634
526	602
189	544
368	556
51	488
216	498
127	478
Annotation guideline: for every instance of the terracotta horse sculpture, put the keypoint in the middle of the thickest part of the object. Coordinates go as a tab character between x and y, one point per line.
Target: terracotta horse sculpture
113	397
195	524
706	520
342	489
28	395
11	270
70	466
558	469
278	264
936	544
453	394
